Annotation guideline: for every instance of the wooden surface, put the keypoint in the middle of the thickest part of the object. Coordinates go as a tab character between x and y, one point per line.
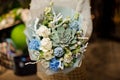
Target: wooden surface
103	60
9	75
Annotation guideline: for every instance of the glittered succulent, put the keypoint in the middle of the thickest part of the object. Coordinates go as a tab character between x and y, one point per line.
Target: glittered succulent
63	37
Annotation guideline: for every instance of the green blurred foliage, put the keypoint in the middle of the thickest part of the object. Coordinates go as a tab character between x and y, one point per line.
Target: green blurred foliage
7	5
18	36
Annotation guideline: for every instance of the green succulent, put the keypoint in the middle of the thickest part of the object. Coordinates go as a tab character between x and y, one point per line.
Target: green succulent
63	37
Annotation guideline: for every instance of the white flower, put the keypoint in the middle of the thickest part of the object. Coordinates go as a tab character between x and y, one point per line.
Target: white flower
68	58
43	31
44	63
46	44
48	55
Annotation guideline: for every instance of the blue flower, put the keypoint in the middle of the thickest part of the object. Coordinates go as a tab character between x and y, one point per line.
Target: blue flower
74	25
54	64
58	52
34	44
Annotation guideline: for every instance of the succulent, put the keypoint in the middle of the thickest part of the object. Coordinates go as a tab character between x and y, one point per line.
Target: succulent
34	44
63	37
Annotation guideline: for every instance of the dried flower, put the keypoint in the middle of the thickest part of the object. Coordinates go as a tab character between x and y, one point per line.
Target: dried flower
54	64
75	25
58	51
68	58
34	44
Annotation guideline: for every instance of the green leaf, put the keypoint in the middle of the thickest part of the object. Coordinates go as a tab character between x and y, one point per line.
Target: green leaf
41	55
73	33
73	41
72	47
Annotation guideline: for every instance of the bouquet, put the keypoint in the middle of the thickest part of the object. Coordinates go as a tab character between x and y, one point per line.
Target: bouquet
56	40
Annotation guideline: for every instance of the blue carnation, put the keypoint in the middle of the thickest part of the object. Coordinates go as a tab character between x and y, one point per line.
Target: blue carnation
34	44
58	52
54	64
74	25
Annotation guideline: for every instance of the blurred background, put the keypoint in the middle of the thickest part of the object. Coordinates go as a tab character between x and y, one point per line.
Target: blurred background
102	58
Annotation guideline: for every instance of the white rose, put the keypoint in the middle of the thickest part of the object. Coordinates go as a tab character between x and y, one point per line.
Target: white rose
43	31
48	55
46	44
